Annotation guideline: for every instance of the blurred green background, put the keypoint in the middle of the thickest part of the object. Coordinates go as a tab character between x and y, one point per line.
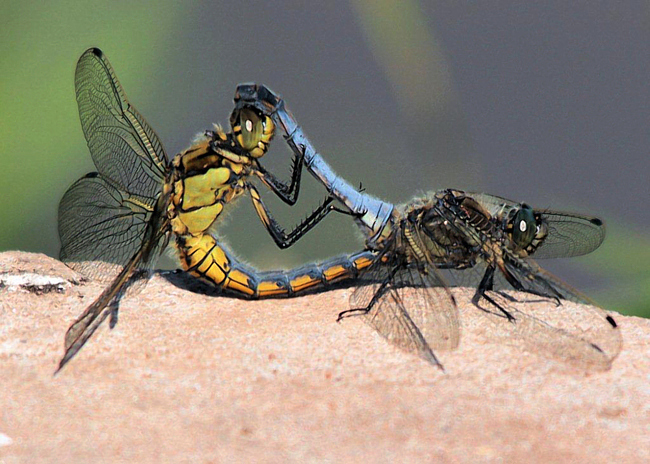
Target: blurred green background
547	104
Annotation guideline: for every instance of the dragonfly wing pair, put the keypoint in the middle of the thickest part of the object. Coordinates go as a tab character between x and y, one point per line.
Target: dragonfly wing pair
584	336
103	216
109	225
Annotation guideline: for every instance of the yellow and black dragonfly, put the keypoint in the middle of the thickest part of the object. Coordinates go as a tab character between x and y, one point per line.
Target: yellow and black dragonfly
115	222
455	238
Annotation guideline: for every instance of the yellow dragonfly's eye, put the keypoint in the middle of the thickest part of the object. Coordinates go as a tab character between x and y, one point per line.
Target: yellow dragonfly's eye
252	129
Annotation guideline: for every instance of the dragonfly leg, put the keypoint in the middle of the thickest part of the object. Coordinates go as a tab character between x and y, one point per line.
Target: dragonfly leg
506	296
487	284
286	192
282	238
517	285
375	298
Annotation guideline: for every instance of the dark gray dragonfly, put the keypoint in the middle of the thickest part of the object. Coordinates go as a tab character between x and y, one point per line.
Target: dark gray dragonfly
454	238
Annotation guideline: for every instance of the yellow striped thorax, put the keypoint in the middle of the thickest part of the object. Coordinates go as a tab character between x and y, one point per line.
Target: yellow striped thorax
207	176
212	172
202	180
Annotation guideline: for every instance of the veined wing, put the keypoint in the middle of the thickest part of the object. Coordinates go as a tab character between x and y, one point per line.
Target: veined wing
111	223
520	274
101	226
543	282
112	236
124	148
412	309
107	303
582	336
569	234
103	216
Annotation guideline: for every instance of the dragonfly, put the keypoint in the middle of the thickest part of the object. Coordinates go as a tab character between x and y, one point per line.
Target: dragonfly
115	222
454	238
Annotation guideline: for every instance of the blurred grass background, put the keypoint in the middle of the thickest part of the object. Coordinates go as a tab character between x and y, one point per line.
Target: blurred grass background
546	104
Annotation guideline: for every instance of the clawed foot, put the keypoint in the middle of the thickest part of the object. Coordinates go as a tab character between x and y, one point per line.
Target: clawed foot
504	313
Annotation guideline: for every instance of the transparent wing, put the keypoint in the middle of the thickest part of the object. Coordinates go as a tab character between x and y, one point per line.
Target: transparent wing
103	216
511	272
131	277
371	280
123	146
569	234
471	277
101	227
108	225
581	335
430	305
578	335
533	278
413	310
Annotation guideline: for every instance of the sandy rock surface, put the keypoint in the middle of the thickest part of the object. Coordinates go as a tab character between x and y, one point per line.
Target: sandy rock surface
197	378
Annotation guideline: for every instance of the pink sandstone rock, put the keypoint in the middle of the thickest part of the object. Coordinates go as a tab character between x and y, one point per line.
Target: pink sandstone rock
190	377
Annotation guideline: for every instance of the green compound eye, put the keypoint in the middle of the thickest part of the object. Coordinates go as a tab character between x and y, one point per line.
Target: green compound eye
524	227
252	128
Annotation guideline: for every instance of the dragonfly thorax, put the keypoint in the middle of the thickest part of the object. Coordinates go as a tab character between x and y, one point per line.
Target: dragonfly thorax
438	238
204	178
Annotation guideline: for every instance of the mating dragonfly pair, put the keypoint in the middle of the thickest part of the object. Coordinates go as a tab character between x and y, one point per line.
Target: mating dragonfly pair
114	223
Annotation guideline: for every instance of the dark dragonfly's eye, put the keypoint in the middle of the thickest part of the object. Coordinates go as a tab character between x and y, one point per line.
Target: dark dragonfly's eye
524	226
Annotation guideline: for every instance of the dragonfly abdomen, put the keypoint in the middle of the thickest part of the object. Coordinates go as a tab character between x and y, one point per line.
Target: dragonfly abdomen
206	259
313	277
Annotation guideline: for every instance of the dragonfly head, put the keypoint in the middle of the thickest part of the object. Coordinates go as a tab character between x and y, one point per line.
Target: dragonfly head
252	129
526	229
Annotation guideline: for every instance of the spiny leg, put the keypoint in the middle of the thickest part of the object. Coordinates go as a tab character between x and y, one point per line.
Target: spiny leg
517	285
381	290
279	235
486	284
288	193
